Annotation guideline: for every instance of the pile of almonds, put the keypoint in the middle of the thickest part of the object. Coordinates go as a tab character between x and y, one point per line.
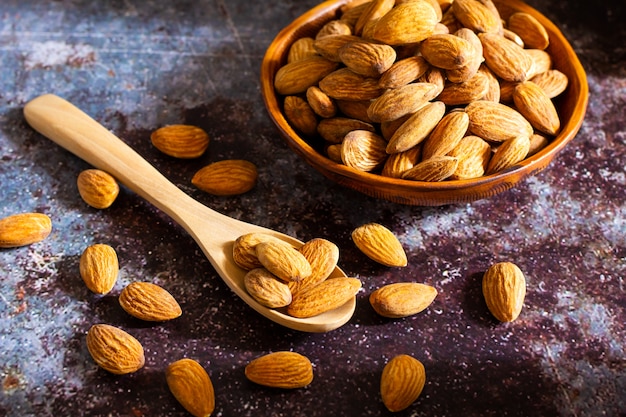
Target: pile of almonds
424	90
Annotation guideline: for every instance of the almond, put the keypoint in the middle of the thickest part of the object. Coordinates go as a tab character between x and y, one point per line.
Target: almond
297	76
375	10
366	58
180	141
553	82
409	22
446	135
302	48
300	114
329	46
509	153
402	299
335	129
417	127
227	177
537	107
191	385
283	260
114	350
436	168
538	141
504	289
321	104
244	249
379	244
325	296
403	71
149	302
267	289
99	268
355	109
398	102
323	256
287	370
334	28
527	27
97	188
475	15
345	84
24	229
363	150
496	122
493	89
541	61
398	163
447	51
402	382
505	58
473	154
465	92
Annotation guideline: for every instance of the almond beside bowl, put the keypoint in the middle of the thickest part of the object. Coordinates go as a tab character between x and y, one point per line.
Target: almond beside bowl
570	105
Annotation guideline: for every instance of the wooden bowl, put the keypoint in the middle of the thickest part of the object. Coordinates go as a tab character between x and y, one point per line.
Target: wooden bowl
571	105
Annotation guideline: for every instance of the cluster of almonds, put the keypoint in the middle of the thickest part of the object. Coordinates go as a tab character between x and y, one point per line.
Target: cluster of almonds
280	275
426	90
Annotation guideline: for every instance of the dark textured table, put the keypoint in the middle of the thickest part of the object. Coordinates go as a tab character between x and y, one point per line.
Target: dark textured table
137	65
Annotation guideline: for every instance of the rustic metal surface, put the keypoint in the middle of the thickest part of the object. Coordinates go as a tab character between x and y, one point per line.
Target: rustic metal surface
137	65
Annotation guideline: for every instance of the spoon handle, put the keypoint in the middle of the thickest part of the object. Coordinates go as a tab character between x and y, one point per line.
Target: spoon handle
74	130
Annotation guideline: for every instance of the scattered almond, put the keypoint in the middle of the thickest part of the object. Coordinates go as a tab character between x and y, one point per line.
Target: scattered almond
180	141
287	370
97	188
114	350
24	229
379	244
402	382
504	289
402	299
227	177
191	385
148	301
99	268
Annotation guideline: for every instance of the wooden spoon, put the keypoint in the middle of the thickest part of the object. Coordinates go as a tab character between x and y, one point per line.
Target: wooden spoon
68	126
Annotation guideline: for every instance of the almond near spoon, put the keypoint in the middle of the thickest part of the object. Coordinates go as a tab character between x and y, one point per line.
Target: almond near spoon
74	130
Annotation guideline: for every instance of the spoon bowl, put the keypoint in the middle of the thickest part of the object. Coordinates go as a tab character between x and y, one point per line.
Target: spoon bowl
215	233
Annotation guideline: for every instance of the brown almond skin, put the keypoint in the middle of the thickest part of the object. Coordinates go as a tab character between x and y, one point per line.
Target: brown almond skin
180	141
99	268
114	350
504	289
436	168
363	150
325	296
283	260
416	128
244	249
323	256
366	58
535	105
398	102
24	229
300	114
149	302
505	58
97	188
296	77
508	154
410	22
191	385
286	370
402	299
227	177
402	382
379	244
267	289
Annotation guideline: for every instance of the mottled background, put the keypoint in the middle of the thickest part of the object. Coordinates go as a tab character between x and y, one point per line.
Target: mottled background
135	65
